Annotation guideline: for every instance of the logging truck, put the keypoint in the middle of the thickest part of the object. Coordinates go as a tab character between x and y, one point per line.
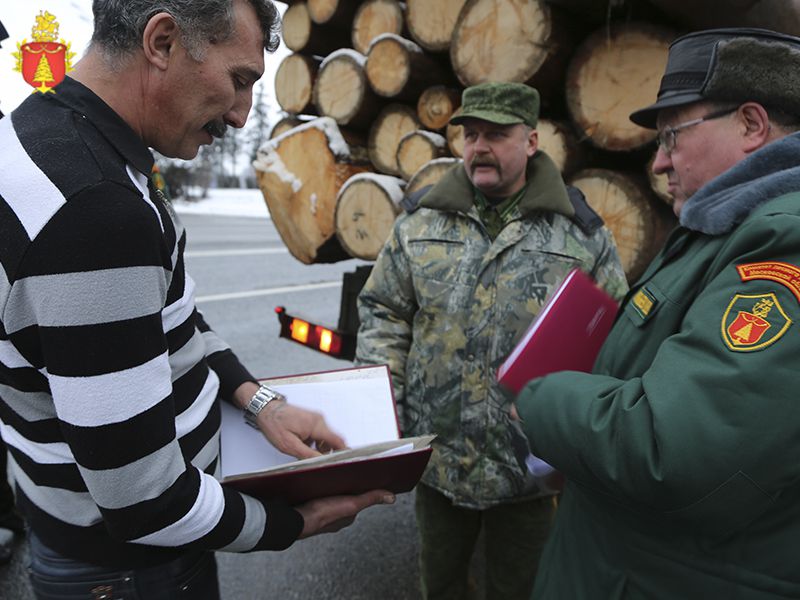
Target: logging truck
370	87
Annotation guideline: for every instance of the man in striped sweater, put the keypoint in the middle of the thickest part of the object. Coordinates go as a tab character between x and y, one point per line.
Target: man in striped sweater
109	377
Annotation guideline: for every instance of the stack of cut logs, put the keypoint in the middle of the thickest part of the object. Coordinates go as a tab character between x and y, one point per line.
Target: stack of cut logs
371	85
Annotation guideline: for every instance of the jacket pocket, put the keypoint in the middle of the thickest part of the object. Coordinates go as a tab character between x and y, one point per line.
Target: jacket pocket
645	303
731	506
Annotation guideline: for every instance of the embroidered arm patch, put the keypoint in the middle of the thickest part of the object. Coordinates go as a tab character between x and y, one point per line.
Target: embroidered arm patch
780	272
753	322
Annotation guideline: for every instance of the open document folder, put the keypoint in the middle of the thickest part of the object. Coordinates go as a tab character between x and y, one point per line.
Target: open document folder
358	404
565	336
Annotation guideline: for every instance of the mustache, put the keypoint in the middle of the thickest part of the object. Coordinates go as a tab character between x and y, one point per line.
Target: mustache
216	128
482	162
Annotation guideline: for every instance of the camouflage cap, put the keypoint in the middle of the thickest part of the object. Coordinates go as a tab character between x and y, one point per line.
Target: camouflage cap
501	103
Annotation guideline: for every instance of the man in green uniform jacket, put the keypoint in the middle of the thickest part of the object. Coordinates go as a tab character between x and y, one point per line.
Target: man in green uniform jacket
455	287
682	449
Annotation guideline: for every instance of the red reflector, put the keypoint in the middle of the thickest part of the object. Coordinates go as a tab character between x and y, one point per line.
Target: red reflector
299	330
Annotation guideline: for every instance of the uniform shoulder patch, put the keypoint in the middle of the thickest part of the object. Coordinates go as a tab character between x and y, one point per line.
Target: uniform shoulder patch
753	322
780	272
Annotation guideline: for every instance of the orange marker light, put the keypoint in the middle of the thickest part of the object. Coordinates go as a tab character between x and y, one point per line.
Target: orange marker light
325	339
300	330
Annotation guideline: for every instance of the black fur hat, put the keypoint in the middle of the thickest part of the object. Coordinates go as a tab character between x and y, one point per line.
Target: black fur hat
729	65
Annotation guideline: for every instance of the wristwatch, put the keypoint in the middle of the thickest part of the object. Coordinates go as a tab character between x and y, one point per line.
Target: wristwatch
258	402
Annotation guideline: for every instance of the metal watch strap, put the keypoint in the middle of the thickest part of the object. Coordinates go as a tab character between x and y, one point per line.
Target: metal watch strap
258	402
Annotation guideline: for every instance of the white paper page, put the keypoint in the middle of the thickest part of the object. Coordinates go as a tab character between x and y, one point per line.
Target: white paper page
359	409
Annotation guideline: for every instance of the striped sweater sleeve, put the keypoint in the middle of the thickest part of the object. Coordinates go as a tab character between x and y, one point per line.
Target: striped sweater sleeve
125	432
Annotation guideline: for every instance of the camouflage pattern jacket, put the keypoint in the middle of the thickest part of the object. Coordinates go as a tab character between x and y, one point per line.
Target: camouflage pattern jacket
444	306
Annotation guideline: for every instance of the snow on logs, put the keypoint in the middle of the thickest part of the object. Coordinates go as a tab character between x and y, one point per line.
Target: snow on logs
342	91
390	74
417	148
301	193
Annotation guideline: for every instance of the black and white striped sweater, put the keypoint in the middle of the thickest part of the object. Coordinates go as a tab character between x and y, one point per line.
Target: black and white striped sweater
109	377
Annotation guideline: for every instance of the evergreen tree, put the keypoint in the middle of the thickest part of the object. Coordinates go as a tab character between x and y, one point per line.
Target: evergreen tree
43	75
260	125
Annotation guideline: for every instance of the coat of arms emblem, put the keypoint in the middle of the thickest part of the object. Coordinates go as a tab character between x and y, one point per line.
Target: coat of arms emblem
47	59
753	321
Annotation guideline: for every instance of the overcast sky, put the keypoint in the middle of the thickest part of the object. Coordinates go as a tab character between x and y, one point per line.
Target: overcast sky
75	26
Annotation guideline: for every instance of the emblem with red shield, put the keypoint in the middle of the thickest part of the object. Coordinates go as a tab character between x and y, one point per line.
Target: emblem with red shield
46	60
753	321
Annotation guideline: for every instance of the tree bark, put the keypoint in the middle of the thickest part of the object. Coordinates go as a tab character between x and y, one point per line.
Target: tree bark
294	83
613	73
299	174
366	208
392	124
418	148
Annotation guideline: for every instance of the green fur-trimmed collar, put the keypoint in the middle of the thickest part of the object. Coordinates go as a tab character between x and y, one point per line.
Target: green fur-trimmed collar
545	190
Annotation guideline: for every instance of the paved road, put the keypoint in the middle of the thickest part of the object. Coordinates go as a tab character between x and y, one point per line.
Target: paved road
242	271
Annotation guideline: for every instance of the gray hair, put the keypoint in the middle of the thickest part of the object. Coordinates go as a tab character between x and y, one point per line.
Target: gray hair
119	24
789	122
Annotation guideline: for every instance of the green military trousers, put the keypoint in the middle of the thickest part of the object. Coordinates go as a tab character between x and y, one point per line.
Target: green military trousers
515	534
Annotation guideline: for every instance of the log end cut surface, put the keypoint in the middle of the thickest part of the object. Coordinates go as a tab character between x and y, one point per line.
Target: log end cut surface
391	125
430	174
365	215
417	149
339	89
293	83
296	26
388	67
609	78
626	211
500	40
373	18
436	105
301	192
431	23
553	142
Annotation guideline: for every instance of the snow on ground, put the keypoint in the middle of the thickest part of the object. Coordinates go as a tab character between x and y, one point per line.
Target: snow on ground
225	201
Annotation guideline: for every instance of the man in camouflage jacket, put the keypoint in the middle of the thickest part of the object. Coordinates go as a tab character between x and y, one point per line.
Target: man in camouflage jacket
453	290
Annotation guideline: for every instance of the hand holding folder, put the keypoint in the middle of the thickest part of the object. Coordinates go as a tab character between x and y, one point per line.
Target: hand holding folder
565	336
358	403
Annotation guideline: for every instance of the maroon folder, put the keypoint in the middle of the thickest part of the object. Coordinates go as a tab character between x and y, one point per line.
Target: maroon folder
566	336
397	473
358	403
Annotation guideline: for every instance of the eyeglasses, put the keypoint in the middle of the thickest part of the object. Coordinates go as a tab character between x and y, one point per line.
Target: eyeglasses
667	137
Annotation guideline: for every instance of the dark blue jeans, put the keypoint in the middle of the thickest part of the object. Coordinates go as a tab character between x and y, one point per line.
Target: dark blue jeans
55	577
